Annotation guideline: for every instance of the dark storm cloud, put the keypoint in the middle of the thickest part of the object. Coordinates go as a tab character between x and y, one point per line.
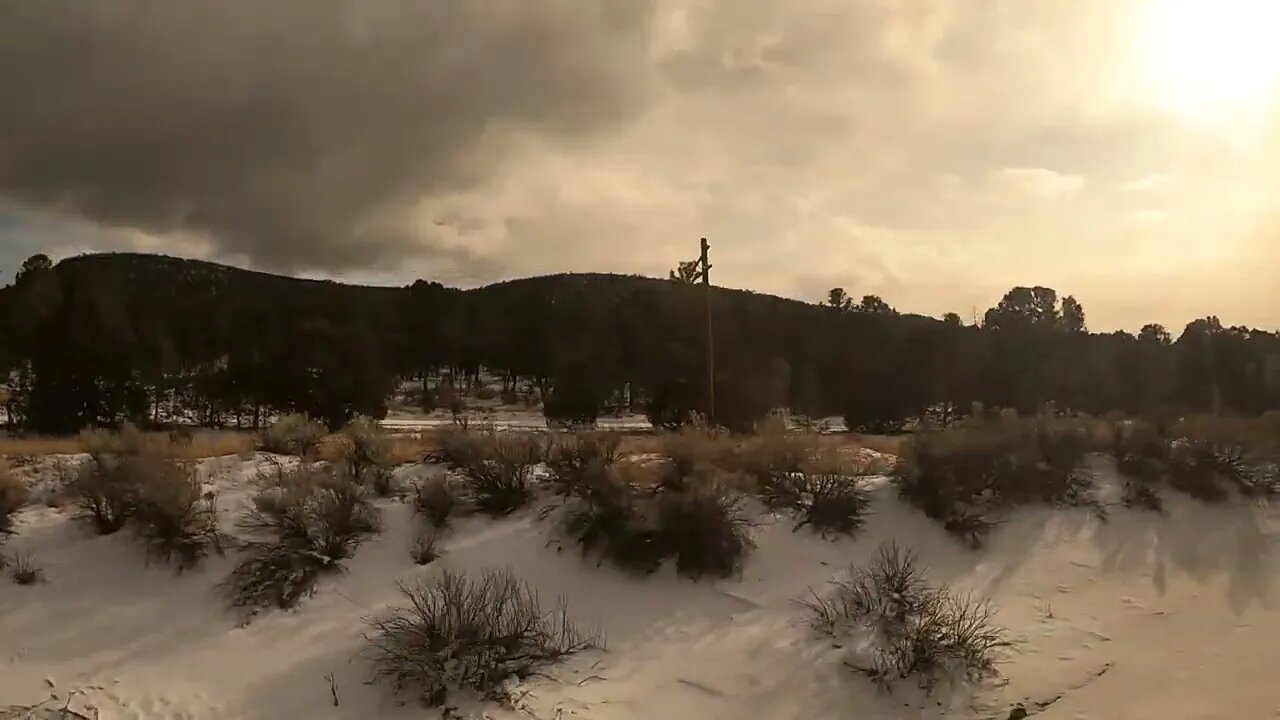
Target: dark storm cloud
295	133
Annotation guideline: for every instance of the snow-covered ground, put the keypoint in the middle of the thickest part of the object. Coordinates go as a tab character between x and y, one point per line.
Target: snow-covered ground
1141	616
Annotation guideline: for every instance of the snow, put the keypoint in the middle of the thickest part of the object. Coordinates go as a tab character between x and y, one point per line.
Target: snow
1140	616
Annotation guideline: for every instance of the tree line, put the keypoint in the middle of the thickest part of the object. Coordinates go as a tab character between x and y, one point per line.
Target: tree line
104	339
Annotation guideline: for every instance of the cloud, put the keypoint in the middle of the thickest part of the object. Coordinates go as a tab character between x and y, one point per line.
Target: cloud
1147	184
934	152
297	134
1040	182
1147	217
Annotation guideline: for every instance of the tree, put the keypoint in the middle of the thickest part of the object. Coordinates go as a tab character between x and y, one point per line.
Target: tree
32	265
1023	306
1072	317
838	300
952	319
1155	334
686	272
873	304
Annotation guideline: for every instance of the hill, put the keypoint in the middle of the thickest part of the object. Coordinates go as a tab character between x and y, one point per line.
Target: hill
100	339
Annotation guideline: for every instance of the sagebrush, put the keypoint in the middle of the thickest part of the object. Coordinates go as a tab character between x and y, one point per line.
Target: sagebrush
904	627
105	491
295	434
705	529
436	500
573	457
365	451
173	515
302	525
610	516
458	632
497	469
962	474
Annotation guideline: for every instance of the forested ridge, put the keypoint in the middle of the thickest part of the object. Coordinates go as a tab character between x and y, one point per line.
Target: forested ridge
104	339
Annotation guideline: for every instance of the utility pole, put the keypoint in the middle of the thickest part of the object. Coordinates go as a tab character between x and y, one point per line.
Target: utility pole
711	353
691	272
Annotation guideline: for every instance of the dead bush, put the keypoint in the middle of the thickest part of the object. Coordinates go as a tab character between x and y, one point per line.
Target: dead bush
903	627
436	500
572	457
295	434
498	471
13	496
704	528
302	525
173	516
456	633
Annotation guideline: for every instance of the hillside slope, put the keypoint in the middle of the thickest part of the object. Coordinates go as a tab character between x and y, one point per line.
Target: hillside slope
1141	617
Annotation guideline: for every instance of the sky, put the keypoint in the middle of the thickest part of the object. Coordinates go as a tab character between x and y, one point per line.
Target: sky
933	152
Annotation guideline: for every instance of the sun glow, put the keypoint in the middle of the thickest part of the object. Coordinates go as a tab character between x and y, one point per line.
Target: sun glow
1204	57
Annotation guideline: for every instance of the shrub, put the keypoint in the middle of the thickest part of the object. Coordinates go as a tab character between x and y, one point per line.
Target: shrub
105	492
959	475
13	495
294	435
25	571
833	502
456	448
174	516
690	452
573	457
908	627
704	528
609	516
499	471
772	458
1204	467
486	393
364	448
435	499
1206	470
425	545
459	633
510	397
303	524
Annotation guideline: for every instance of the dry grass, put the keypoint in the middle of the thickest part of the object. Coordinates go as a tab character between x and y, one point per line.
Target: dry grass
399	448
1258	436
201	443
